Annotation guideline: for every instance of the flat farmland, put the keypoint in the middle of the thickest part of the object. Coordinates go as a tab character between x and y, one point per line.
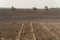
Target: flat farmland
27	24
9	30
29	31
30	15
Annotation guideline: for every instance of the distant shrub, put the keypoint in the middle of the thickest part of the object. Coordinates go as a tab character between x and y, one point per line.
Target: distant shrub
34	8
13	8
46	7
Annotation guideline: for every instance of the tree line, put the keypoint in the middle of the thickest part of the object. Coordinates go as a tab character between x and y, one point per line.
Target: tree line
34	8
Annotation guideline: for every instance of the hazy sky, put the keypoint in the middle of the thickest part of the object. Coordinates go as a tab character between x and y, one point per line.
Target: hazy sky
29	3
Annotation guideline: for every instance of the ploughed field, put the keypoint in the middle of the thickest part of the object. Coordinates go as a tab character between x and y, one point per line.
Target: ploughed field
26	24
29	31
29	14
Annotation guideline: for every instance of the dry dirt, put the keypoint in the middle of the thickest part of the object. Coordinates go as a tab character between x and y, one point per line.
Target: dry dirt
25	24
29	31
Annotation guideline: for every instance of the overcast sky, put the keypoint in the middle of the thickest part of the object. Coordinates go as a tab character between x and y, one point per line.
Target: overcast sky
29	3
